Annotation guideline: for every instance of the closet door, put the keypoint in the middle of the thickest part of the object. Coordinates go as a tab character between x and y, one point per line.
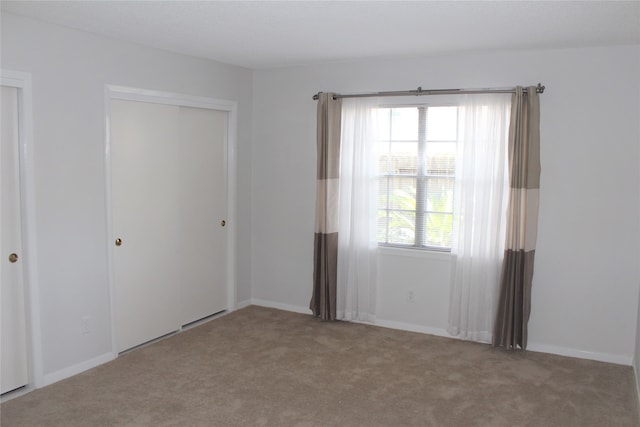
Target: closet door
168	201
145	219
203	196
13	338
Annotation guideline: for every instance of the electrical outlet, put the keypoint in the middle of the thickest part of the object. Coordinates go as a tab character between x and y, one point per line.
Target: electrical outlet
411	296
86	326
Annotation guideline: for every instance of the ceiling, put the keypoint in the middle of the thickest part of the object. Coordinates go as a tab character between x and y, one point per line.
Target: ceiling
263	34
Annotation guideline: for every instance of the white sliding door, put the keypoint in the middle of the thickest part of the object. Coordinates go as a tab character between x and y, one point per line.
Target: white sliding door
13	339
169	198
204	196
145	219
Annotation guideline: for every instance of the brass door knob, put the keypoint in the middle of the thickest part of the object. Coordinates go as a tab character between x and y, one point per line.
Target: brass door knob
118	242
13	257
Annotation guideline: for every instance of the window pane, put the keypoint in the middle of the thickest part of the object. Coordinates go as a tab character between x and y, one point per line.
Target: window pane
404	124
438	229
439	194
402	228
441	158
403	158
442	123
398	158
401	193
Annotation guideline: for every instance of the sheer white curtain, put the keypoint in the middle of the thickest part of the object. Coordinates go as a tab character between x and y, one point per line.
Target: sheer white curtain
357	242
481	194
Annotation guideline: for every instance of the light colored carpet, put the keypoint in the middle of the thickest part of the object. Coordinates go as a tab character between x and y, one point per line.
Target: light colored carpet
265	367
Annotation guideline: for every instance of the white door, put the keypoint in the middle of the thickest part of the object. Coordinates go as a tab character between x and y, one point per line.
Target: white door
203	198
168	200
13	341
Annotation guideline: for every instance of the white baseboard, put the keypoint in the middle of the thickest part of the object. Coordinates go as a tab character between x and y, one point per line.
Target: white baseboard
580	354
243	304
281	306
537	347
378	322
540	348
410	327
76	369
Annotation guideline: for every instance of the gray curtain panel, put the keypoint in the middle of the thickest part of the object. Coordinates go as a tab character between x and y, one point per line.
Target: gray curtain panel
325	256
514	306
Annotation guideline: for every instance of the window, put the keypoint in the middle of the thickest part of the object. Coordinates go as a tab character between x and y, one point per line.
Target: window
416	161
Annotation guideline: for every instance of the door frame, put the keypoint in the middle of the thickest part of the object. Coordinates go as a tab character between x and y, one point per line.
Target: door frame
22	81
171	98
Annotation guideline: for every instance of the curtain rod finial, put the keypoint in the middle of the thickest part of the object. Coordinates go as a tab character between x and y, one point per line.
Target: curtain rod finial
316	96
540	88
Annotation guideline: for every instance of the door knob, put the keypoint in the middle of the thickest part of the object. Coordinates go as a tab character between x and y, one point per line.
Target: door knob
118	242
13	257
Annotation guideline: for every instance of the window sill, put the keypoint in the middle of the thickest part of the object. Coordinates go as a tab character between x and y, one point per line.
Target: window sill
415	253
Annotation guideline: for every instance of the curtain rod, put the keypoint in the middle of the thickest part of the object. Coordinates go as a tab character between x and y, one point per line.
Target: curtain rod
420	92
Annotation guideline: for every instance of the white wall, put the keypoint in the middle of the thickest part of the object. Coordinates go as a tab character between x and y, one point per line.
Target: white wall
585	290
69	71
